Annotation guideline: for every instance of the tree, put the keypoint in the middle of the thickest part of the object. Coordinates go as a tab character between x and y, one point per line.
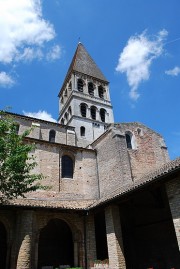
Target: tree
16	161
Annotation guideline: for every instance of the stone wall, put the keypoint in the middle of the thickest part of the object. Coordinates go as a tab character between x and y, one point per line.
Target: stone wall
83	185
113	162
148	148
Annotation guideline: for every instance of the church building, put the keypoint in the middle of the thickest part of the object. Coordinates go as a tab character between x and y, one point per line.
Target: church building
114	196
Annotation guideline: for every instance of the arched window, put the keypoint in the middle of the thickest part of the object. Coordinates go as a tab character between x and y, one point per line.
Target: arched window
80	85
128	141
82	131
101	91
52	135
83	108
62	121
91	88
93	112
65	93
62	100
103	114
67	166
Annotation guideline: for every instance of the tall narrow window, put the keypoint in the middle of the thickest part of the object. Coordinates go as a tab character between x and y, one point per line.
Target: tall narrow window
70	110
101	91
93	112
83	108
62	121
82	131
80	85
65	93
67	166
91	88
66	116
52	135
70	86
128	141
103	114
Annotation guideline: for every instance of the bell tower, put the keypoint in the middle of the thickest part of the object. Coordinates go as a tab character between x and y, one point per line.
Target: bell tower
84	99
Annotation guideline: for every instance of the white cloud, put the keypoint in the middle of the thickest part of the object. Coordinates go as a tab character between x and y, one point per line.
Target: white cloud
54	53
22	28
6	80
41	114
173	72
137	56
29	54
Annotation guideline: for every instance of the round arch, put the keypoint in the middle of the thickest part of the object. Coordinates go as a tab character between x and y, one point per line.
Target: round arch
55	244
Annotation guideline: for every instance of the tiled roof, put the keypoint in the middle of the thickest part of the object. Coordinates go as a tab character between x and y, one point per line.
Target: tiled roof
53	204
83	63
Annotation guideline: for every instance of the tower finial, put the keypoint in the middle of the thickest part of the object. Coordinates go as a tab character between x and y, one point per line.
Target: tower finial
79	42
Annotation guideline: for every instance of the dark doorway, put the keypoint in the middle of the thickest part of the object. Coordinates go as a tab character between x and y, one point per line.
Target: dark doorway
55	245
101	240
148	233
3	246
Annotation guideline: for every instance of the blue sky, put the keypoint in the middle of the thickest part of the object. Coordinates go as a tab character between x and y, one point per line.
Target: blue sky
136	44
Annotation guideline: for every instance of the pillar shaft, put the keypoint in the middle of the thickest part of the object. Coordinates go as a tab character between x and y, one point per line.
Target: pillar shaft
91	240
25	231
114	238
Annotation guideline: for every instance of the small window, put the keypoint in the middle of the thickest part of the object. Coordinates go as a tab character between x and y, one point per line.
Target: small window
62	100
103	114
52	135
83	108
82	131
62	121
91	88
93	112
67	166
101	91
128	141
80	85
65	93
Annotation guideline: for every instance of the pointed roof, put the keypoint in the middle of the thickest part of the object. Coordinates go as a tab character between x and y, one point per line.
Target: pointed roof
83	63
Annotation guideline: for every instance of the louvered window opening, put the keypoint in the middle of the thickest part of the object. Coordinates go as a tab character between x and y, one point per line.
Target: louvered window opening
101	92
102	114
93	112
83	110
91	88
80	85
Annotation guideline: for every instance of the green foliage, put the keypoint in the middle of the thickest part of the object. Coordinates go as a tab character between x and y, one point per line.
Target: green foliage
16	161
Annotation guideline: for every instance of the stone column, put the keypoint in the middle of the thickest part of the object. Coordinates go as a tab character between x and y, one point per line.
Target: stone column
114	238
25	231
91	240
173	192
75	253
